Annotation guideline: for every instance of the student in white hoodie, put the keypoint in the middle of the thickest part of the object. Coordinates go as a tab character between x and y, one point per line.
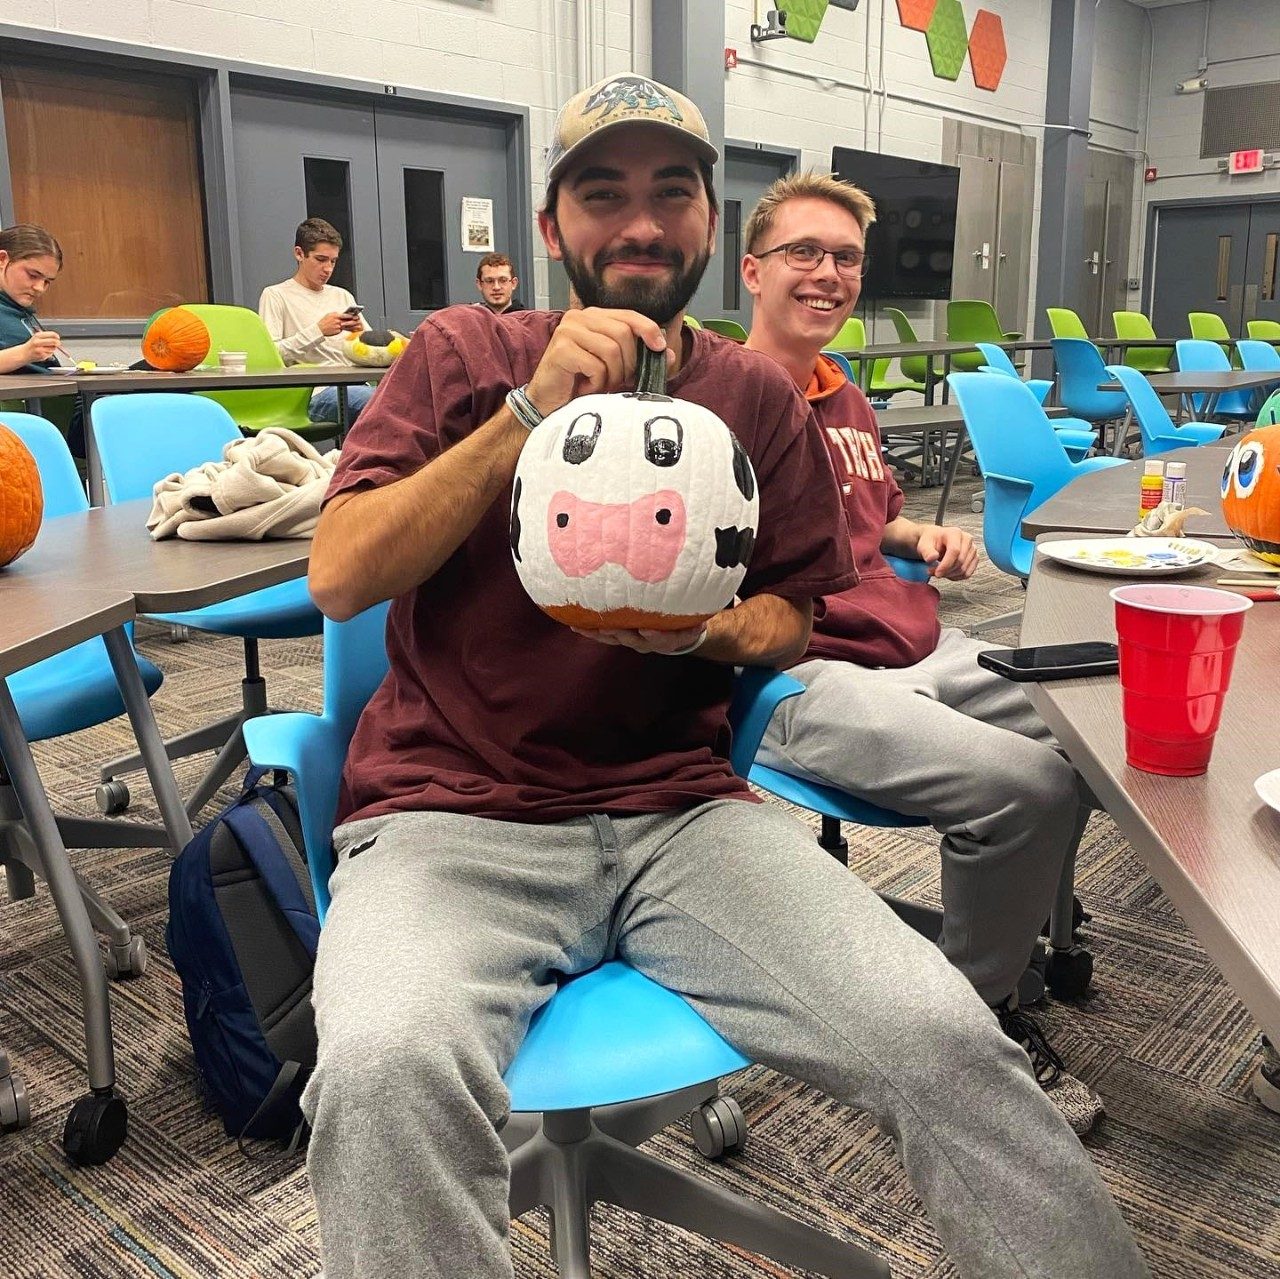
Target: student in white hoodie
309	318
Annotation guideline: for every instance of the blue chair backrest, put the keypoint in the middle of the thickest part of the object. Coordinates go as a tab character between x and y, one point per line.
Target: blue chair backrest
143	438
1080	370
839	359
63	489
1198	355
355	663
1257	355
1154	421
997	358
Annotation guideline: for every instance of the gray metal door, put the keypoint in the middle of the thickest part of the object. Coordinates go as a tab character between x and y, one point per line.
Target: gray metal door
427	164
1262	271
974	272
1012	234
1096	203
1200	262
297	157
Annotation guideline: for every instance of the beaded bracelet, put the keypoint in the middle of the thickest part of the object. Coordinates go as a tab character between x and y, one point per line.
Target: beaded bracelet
523	407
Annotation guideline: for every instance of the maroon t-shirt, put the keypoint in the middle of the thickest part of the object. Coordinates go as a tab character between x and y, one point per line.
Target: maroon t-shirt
490	707
883	621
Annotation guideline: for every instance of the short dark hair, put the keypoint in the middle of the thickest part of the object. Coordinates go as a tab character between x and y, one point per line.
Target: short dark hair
314	232
553	192
494	259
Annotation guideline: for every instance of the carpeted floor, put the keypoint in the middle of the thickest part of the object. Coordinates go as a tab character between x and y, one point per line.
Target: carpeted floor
1193	1161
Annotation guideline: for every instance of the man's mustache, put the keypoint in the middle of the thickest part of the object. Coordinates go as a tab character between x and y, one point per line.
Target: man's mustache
668	257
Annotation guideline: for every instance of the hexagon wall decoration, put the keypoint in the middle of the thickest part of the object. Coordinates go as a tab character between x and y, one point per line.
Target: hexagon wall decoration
948	39
915	15
804	18
987	53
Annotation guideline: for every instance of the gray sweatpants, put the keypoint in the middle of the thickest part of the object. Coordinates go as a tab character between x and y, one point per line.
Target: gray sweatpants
446	934
964	748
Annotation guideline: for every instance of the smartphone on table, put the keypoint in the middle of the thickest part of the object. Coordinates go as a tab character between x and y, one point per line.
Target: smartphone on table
1044	662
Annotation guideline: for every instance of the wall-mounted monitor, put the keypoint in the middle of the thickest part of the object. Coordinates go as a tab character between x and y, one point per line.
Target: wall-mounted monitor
912	242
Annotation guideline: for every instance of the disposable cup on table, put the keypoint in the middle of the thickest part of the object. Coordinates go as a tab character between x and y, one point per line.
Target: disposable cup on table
1177	647
233	361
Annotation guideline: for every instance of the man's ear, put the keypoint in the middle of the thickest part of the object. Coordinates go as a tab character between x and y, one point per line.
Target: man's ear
550	235
515	280
714	222
298	254
751	274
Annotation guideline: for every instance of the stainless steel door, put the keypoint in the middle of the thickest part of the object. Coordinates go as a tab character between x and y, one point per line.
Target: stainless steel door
974	272
1200	262
1011	237
1094	266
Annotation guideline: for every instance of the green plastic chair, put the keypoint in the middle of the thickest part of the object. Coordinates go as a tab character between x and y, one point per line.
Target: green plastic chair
1264	331
852	336
914	367
236	328
1064	323
1211	327
692	322
1146	359
973	320
726	329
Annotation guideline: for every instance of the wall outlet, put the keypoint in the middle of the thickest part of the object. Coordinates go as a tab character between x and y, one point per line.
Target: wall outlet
1133	284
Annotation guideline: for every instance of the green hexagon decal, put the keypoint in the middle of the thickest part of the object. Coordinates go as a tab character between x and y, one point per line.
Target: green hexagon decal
804	18
948	39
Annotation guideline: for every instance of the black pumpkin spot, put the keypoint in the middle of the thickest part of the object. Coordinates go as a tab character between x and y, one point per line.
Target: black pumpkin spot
743	475
515	521
734	546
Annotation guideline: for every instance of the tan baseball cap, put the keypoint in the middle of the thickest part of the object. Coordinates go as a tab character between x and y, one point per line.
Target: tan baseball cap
624	99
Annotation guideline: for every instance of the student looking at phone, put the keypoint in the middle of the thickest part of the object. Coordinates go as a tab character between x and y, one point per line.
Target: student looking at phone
30	259
309	318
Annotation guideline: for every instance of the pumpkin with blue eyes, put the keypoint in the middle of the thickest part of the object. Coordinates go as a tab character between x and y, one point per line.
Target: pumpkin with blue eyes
1251	492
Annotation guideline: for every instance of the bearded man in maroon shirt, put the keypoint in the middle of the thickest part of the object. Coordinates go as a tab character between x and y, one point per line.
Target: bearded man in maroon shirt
521	802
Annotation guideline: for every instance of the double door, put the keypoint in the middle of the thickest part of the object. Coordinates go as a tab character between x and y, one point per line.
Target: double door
1108	210
1220	258
391	178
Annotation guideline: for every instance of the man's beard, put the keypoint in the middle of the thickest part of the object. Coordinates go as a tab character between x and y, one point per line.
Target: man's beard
659	299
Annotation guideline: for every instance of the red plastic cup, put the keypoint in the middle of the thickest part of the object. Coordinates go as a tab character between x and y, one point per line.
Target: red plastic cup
1177	647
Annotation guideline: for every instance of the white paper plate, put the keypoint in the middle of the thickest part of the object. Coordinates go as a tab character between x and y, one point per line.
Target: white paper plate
1268	788
101	368
1131	556
65	369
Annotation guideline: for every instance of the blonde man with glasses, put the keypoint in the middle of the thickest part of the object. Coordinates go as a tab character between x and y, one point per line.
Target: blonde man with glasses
898	712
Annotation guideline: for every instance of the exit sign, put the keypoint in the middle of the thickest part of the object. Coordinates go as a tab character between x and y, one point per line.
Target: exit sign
1245	162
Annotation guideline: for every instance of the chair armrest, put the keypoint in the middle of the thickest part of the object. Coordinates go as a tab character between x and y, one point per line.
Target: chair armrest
312	751
908	570
1096	464
1005	505
757	693
1040	387
1013	337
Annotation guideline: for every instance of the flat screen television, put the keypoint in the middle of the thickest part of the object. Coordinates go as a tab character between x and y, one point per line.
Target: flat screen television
912	241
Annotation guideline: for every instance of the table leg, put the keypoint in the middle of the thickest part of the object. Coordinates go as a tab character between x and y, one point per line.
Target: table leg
929	380
344	414
953	465
57	873
946	372
93	463
150	745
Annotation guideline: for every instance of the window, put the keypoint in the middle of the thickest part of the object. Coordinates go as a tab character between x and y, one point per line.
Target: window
328	192
109	164
424	238
731	220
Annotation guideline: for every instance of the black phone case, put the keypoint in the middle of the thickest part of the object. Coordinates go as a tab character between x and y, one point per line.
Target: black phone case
1045	674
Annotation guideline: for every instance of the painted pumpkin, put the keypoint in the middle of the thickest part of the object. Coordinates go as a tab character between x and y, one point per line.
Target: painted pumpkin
1251	491
175	341
375	348
21	497
633	510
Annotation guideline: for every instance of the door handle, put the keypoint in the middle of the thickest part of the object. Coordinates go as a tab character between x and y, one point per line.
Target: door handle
1093	262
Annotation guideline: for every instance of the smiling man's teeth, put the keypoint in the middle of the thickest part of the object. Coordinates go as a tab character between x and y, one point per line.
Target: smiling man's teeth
818	304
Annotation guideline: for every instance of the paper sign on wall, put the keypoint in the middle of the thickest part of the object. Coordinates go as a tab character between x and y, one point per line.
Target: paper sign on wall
477	224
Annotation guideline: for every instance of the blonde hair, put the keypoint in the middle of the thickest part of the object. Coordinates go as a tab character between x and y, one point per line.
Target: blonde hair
807	186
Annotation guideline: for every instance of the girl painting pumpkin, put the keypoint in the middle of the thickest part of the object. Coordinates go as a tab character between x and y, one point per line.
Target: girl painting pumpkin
30	259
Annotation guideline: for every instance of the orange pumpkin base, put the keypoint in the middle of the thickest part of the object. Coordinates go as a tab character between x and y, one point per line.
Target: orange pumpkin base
21	497
620	619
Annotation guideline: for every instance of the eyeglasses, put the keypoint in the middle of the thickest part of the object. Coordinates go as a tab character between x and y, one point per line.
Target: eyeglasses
804	255
496	279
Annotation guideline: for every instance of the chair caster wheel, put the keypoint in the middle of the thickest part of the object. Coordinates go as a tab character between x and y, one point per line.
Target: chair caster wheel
112	797
1068	972
15	1110
719	1128
126	961
96	1129
977	503
179	633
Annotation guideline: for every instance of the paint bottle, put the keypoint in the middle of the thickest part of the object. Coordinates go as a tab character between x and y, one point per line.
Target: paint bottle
1175	485
1152	489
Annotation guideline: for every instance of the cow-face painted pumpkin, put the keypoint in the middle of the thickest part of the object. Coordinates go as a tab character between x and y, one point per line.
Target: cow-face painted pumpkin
21	497
633	510
1251	492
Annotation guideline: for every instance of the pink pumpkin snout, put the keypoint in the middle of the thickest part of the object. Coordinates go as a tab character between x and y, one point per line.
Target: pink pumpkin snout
645	537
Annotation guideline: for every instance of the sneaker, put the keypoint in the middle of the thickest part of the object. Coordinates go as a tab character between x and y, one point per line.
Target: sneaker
1074	1100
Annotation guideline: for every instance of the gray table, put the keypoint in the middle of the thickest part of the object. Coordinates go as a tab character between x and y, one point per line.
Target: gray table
945	350
1210	843
30	387
94	387
1107	501
1210	385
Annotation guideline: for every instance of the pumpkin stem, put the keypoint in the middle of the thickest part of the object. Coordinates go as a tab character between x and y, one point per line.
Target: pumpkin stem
651	370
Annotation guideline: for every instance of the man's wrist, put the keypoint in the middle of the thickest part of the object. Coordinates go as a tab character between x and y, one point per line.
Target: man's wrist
692	648
523	408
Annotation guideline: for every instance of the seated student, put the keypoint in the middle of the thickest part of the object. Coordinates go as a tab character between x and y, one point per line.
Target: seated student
521	801
898	712
30	259
308	317
496	282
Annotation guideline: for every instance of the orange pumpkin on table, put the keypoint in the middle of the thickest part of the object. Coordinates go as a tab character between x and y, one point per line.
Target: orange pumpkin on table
1251	492
176	341
21	497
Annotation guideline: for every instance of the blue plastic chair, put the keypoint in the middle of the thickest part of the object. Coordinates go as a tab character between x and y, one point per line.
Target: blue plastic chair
1159	434
1075	435
606	1038
141	439
1258	355
68	692
1199	355
1080	370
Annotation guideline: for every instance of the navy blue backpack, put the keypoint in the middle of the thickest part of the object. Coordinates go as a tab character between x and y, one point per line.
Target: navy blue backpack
242	935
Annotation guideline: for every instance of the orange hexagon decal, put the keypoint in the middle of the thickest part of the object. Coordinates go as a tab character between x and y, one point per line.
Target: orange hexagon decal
916	14
987	54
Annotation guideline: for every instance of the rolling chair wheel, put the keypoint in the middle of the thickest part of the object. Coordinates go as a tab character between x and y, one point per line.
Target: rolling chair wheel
977	503
179	633
15	1110
131	963
112	797
1068	972
719	1128
96	1128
